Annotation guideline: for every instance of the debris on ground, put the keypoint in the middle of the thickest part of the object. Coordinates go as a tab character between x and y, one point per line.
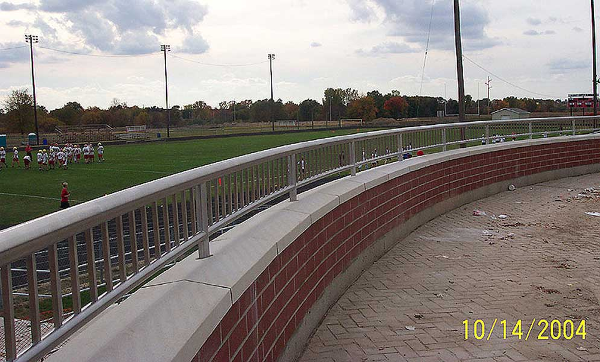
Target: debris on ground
581	349
547	290
487	233
593	213
502	217
418	316
511	187
508	236
410	328
479	213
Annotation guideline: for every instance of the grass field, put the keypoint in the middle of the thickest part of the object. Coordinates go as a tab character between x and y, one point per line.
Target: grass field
25	195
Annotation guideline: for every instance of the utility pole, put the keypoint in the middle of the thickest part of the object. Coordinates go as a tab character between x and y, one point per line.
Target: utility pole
33	39
478	100
595	81
167	48
271	58
330	114
459	69
489	86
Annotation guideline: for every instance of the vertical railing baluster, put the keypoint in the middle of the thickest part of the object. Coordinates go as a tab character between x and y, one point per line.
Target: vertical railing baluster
530	130
106	256
444	148
91	267
145	238
487	134
8	314
264	178
203	243
156	230
217	213
74	271
184	215
167	224
573	127
254	176
352	156
193	208
34	306
176	220
236	191
400	147
210	206
292	178
270	177
133	241
121	249
230	185
55	289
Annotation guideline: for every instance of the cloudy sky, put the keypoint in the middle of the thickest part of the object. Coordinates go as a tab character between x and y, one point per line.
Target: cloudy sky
541	48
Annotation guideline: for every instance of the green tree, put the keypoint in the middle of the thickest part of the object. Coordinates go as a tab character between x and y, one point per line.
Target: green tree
19	111
310	110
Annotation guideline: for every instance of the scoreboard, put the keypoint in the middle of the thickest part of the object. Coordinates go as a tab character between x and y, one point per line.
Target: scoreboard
581	100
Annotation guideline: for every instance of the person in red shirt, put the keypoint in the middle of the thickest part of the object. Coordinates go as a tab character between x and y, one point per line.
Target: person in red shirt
28	150
64	196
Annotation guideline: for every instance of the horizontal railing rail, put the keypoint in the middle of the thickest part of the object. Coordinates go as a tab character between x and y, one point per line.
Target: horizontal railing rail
66	267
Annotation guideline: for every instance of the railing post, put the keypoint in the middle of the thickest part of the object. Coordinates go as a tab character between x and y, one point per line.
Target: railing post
573	126
353	158
487	134
202	215
10	342
530	130
444	139
400	147
292	177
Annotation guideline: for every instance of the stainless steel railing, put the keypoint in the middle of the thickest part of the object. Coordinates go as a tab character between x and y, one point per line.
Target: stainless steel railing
68	266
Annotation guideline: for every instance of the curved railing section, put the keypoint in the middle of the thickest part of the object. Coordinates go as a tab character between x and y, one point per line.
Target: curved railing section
61	270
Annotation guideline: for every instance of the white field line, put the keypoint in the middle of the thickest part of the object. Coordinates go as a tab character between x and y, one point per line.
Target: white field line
35	197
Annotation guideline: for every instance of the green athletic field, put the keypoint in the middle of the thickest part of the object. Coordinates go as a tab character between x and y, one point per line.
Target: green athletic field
25	195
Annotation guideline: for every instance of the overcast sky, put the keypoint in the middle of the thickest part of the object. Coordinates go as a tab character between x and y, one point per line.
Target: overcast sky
540	46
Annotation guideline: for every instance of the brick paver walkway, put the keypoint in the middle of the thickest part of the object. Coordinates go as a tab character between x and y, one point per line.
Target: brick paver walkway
541	262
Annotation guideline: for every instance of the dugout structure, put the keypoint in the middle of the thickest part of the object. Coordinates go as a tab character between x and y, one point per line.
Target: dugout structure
85	133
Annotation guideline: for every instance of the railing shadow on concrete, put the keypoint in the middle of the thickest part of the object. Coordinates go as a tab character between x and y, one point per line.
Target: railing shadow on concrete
130	236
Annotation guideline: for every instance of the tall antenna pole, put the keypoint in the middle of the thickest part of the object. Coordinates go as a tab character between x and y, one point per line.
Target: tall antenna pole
271	58
594	57
167	48
33	39
488	83
459	69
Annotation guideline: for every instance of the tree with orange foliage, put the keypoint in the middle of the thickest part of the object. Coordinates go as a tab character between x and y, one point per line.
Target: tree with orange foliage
396	106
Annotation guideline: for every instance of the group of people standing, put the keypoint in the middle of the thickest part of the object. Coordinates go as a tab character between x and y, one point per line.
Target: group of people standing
55	156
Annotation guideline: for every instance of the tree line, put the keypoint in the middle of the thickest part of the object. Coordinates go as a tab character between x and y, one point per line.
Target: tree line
16	113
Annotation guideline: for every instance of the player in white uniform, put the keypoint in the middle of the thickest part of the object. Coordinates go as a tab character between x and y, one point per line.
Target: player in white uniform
40	159
45	160
100	152
77	153
27	162
15	157
86	153
60	156
2	158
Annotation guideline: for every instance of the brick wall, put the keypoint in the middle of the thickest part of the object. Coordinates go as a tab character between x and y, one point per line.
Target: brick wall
259	324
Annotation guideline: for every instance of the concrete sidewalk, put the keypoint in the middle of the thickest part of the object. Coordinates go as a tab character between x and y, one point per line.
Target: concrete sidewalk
542	262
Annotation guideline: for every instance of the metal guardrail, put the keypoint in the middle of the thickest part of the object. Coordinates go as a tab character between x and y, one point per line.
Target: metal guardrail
132	234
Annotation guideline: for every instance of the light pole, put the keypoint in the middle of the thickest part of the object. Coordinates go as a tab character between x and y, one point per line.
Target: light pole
167	48
33	39
459	70
595	81
271	58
